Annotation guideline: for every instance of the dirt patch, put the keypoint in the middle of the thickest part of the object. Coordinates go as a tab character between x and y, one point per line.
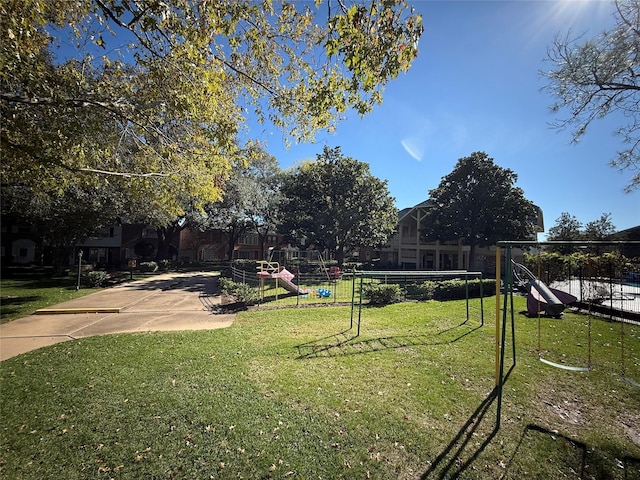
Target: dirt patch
568	408
631	425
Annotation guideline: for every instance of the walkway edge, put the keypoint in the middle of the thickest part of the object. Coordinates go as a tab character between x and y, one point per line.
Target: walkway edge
59	311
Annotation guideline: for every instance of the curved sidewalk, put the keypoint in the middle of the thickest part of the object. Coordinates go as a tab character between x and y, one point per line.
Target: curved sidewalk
166	302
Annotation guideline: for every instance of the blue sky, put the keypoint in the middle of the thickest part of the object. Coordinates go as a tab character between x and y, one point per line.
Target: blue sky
476	86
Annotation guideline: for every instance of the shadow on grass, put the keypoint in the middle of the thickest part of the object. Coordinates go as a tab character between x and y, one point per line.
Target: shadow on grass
20	300
11	305
348	342
449	463
570	457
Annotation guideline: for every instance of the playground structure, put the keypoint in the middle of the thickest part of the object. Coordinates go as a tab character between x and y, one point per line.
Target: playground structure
539	296
599	279
406	277
347	288
282	276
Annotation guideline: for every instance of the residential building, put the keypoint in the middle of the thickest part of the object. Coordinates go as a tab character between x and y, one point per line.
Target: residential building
408	250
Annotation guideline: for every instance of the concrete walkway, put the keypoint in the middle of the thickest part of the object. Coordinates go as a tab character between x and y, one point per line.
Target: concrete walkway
167	302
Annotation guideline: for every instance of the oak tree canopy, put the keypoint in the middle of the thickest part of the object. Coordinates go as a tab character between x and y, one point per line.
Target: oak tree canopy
154	94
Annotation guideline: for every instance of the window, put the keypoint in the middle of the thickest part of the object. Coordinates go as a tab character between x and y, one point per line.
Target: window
250	239
97	255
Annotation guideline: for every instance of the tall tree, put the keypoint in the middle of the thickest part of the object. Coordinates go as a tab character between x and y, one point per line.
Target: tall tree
265	198
335	203
155	93
593	78
566	229
479	203
601	229
249	200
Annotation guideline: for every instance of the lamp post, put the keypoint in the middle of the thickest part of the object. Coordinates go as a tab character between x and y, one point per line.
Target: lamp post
79	268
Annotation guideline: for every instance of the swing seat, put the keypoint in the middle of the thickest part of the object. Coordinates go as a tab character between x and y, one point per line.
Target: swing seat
563	366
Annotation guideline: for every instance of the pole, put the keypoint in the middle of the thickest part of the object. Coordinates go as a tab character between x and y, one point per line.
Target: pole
79	268
353	294
466	293
498	274
360	307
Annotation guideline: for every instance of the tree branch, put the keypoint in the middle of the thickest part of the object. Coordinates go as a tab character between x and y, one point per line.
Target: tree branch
123	174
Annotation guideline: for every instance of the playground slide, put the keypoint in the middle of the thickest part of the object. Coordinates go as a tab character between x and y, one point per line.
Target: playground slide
284	278
550	300
291	287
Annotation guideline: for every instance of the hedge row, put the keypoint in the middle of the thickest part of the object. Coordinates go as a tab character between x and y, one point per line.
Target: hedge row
383	294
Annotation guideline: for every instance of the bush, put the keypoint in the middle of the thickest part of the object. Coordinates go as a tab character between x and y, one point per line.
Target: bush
246	293
246	265
241	291
148	267
457	289
422	291
379	294
226	284
96	278
164	265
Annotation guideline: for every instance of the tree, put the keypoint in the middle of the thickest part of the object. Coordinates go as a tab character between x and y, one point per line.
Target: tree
601	229
601	76
248	202
153	94
265	198
566	229
478	203
336	204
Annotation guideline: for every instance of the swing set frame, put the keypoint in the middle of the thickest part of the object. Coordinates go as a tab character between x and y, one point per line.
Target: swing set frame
505	312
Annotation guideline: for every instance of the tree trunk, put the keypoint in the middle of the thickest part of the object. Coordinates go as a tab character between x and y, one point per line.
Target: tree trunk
165	236
163	245
472	259
261	241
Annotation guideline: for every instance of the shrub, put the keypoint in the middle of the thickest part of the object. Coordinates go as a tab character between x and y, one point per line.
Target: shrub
164	264
241	291
380	294
246	293
422	291
226	284
457	289
96	278
246	265
148	266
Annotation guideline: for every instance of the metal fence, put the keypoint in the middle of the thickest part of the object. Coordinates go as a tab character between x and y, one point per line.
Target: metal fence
312	288
345	288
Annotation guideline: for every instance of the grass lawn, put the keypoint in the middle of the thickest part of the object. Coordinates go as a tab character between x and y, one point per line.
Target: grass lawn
292	393
22	297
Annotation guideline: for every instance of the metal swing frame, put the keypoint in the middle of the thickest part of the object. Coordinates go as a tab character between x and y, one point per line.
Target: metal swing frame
502	317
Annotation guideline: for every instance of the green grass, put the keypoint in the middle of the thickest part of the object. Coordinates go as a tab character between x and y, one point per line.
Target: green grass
22	297
293	393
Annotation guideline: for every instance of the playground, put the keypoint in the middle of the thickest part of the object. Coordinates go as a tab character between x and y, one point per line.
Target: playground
292	393
301	393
